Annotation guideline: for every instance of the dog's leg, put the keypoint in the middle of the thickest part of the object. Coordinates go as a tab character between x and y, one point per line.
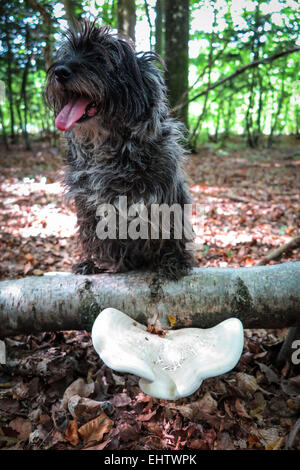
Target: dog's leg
174	261
87	267
88	240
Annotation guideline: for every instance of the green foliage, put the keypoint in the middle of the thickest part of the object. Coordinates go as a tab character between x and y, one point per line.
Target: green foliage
259	101
224	36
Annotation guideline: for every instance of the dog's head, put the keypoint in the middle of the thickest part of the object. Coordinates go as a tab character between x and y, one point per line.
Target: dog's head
98	73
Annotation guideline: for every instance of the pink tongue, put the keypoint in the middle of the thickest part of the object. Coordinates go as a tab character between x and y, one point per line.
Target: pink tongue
71	113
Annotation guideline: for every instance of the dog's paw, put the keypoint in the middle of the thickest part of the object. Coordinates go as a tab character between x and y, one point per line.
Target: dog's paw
86	267
172	271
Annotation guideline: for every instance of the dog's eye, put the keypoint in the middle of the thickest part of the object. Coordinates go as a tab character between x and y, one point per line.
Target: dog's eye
99	60
92	57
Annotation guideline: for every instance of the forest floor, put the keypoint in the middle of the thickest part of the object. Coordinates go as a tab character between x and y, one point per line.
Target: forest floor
54	388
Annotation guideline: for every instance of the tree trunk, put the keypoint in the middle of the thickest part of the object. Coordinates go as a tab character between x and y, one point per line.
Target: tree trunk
24	90
159	27
126	18
149	23
10	90
4	136
228	119
19	113
279	106
71	9
249	116
47	22
194	135
257	131
176	53
220	109
297	121
70	12
261	297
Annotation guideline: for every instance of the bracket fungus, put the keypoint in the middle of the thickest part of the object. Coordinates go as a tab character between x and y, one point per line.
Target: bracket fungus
170	366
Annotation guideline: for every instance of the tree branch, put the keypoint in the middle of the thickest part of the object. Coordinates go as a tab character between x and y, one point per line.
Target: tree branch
236	74
149	22
265	296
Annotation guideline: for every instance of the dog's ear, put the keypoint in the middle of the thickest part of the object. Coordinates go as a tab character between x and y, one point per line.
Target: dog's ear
152	76
129	60
134	96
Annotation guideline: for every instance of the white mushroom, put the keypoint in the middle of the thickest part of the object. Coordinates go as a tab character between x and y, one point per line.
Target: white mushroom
170	366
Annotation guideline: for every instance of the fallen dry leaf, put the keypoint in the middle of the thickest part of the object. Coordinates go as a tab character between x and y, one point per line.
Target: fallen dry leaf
94	430
147	416
84	408
246	382
78	387
71	433
267	436
240	409
254	442
276	445
128	432
22	427
205	408
27	268
172	320
271	376
121	399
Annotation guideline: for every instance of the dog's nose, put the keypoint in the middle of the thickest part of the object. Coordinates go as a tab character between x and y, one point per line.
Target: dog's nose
63	73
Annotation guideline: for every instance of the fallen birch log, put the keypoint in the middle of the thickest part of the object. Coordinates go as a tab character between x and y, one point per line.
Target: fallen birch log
260	296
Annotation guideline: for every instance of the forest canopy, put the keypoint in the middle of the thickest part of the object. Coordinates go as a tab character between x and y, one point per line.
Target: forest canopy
234	70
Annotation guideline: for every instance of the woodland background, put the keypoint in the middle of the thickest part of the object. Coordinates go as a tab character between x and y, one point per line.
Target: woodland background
232	66
233	79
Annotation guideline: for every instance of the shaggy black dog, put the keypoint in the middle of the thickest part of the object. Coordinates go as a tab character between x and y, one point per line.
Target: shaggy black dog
111	103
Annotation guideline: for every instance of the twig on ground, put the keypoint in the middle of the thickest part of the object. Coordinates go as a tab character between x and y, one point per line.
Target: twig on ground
279	251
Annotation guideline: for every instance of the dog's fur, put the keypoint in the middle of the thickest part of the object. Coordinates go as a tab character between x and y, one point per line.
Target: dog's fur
131	147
